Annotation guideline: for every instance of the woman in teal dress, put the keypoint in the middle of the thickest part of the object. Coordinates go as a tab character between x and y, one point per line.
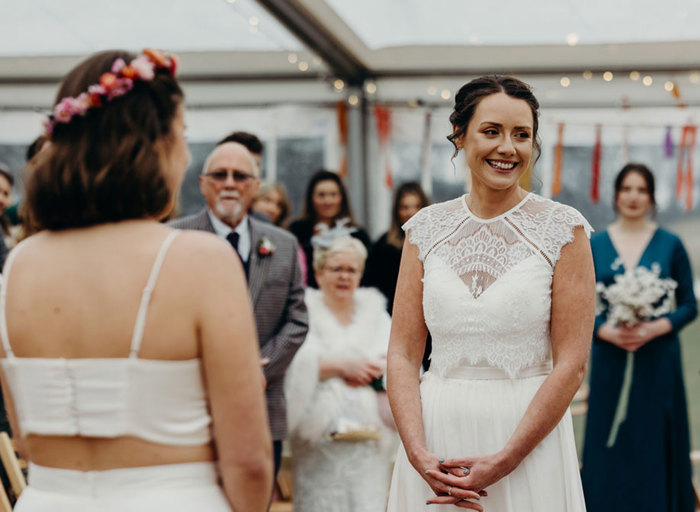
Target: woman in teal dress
636	448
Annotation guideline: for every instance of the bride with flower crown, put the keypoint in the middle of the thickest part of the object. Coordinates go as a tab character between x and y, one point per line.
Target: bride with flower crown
128	391
503	280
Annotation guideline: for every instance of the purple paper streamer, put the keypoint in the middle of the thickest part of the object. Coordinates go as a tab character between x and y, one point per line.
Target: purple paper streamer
668	143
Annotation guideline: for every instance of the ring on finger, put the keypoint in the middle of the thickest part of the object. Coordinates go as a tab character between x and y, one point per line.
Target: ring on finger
449	491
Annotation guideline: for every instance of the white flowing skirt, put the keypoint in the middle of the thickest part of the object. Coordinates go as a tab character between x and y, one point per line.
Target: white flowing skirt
466	416
172	488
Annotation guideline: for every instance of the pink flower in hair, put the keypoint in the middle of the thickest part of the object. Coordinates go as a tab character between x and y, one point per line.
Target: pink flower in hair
144	68
121	87
64	111
97	89
118	65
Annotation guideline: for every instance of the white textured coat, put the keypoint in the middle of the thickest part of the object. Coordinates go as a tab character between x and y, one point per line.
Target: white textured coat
315	406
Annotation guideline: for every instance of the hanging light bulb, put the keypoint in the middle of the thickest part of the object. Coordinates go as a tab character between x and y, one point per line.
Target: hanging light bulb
572	39
634	75
565	82
647	80
587	75
608	76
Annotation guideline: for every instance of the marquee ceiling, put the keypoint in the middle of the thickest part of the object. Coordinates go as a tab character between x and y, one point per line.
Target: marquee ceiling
410	50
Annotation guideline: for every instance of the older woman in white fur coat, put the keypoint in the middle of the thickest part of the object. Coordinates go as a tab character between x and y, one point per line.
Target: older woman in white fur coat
329	390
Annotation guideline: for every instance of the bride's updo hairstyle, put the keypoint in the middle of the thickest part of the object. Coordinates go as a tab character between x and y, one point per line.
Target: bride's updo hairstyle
105	162
471	94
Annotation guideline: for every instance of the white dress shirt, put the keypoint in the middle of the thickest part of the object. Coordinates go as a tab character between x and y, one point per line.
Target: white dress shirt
222	229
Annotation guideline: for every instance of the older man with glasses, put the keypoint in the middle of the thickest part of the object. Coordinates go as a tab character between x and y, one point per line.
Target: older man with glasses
229	182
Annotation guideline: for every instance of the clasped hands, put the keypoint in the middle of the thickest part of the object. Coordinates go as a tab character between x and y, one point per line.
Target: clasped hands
632	338
457	481
358	372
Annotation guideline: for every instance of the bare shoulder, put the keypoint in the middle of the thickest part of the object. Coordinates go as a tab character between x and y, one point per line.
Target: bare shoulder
201	253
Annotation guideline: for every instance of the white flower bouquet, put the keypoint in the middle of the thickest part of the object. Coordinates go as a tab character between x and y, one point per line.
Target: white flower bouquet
638	295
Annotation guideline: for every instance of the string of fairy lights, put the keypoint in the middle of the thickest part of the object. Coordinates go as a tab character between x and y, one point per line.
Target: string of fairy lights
305	61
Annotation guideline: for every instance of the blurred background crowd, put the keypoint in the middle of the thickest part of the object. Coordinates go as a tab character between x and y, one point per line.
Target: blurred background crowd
346	120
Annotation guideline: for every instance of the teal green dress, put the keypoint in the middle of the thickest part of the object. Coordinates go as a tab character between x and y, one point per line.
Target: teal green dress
644	464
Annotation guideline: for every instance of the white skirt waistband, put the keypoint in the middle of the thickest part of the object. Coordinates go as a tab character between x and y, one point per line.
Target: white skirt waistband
492	372
167	476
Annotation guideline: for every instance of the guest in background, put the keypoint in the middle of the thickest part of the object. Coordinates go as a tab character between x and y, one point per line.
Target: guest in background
328	389
13	212
636	446
251	142
272	204
127	388
229	182
272	201
325	204
385	257
6	182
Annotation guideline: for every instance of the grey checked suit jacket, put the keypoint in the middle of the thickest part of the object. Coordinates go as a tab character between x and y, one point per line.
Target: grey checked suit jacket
277	294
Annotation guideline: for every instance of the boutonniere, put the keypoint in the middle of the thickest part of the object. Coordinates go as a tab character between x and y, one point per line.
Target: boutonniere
265	247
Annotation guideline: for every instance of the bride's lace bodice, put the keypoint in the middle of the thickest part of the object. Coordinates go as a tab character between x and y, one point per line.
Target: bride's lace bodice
487	283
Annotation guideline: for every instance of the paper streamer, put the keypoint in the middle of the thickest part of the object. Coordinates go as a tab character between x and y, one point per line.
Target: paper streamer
384	127
684	169
341	110
668	143
558	158
595	165
689	170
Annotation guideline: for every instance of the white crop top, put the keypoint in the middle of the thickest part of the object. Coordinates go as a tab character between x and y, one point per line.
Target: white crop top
155	400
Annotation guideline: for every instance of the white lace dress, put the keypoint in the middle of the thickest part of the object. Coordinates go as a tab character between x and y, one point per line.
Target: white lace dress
487	303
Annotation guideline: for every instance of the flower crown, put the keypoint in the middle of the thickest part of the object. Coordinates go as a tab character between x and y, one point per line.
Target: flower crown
114	83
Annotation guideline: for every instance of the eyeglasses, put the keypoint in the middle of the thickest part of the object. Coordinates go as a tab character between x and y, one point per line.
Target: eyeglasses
347	270
222	176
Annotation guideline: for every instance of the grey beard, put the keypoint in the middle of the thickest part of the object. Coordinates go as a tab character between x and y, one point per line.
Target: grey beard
231	218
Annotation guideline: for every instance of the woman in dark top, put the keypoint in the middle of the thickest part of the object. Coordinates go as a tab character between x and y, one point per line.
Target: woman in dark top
385	256
325	203
636	448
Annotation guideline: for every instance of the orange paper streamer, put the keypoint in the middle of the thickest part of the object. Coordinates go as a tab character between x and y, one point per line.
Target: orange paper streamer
684	177
689	170
558	157
341	110
383	117
681	160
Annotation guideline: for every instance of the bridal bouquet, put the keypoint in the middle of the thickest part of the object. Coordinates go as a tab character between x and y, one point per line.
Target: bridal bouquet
638	295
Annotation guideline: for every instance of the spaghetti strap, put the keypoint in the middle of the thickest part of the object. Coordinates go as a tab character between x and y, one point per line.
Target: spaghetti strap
146	296
4	277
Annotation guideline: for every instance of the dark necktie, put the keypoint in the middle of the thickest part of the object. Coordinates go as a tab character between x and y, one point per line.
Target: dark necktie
233	239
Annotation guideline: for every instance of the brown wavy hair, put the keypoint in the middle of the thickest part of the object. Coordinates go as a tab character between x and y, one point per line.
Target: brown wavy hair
107	165
470	95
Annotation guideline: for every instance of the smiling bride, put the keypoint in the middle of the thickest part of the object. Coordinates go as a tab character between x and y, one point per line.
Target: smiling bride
503	280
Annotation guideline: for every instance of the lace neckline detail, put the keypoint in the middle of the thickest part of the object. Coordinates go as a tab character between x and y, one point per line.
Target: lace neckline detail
497	217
